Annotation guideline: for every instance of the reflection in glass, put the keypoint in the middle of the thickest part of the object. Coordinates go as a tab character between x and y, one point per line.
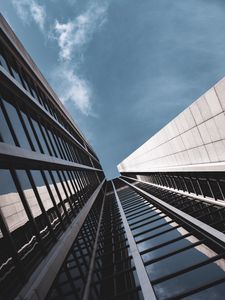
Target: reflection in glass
191	280
17	126
5	133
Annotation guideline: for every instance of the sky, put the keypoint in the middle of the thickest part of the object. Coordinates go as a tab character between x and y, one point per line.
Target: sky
123	68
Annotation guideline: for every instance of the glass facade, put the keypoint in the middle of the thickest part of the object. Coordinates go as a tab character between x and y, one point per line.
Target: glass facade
67	233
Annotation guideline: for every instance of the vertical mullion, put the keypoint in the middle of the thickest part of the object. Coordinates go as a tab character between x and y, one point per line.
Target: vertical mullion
146	287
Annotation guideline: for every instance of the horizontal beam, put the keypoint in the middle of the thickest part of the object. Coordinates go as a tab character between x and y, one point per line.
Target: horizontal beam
146	287
12	152
205	167
26	58
41	280
190	195
202	227
4	75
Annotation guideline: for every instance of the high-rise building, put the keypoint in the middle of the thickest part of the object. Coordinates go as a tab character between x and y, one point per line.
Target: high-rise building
156	232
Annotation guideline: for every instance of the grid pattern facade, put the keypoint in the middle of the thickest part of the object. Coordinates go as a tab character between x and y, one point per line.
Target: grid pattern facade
66	233
48	171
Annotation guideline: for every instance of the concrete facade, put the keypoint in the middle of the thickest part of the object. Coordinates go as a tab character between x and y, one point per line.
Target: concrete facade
194	140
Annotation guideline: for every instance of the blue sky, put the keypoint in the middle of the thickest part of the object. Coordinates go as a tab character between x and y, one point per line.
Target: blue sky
123	68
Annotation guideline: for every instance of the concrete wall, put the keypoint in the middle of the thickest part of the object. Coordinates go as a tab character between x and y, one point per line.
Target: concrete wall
193	141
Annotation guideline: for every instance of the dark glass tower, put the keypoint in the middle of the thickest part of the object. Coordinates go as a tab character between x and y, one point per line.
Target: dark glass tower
156	232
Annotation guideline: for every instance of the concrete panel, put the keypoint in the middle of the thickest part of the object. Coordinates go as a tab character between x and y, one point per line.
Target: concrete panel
195	137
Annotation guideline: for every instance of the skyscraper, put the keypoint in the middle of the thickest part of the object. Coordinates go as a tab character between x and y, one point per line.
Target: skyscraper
156	232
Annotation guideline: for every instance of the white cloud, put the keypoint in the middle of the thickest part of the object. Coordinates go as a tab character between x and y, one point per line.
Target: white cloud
30	9
73	35
73	88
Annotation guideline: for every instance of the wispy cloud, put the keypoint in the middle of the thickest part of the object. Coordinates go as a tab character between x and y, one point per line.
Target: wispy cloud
72	37
71	87
30	9
74	34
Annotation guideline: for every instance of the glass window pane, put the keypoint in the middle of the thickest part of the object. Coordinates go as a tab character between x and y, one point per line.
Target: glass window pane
29	129
176	262
61	190
216	292
17	126
3	63
16	74
42	190
5	133
10	204
29	193
167	249
40	136
165	237
190	280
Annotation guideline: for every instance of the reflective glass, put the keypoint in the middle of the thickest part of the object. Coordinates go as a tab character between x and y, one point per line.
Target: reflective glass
16	74
216	292
5	133
29	129
177	262
40	136
17	126
191	280
167	249
3	63
164	237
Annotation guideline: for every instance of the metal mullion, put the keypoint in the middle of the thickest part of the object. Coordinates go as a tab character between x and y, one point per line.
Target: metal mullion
41	205
12	249
70	280
43	135
155	235
50	141
60	198
9	123
71	194
147	218
188	269
25	129
166	243
200	227
132	215
157	219
71	146
54	135
146	287
153	228
53	199
38	107
139	215
130	205
154	260
141	205
66	149
80	186
61	147
28	210
211	213
65	191
153	221
197	290
78	192
211	190
87	288
221	191
34	131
